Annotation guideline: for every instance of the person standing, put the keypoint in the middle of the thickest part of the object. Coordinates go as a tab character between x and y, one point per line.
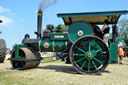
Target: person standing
121	54
105	30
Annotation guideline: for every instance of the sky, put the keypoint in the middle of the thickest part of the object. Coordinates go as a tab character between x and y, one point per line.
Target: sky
20	16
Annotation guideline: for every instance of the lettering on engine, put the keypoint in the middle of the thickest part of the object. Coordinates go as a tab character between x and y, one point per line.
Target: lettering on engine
58	36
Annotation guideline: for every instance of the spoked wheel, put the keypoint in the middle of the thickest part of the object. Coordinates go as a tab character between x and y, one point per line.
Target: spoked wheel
89	55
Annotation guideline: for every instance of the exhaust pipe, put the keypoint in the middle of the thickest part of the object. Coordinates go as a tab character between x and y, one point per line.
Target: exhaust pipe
39	24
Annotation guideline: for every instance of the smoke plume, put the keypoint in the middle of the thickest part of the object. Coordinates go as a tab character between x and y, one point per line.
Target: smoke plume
44	4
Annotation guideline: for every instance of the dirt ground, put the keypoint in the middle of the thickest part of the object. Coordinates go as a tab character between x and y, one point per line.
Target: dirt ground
58	73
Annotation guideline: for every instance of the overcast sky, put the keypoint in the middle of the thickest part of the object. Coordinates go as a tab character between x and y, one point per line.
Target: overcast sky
19	16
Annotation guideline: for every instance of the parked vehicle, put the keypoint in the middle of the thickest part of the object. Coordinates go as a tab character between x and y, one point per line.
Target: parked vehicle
82	45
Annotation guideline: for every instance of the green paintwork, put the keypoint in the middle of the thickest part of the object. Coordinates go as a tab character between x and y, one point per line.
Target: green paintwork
17	50
113	53
88	54
92	17
117	40
93	14
58	36
79	26
54	46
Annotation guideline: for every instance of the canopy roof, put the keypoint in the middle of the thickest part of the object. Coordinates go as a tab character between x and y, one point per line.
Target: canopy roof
92	17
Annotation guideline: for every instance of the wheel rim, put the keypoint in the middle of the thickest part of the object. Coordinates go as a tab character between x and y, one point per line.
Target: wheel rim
89	55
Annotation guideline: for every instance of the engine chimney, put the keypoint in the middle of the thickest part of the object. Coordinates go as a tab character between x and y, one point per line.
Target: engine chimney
39	24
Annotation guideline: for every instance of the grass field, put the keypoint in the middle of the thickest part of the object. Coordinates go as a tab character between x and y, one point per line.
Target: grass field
58	73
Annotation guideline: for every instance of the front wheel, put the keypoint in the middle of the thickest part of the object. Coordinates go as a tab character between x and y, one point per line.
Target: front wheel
89	55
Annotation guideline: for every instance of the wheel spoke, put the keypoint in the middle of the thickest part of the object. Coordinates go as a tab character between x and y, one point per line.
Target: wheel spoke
94	65
89	45
98	47
81	50
104	52
78	54
100	56
83	64
93	43
22	63
97	60
80	60
84	46
89	66
21	54
98	50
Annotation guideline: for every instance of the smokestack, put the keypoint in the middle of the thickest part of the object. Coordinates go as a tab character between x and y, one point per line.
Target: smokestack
0	21
39	24
43	5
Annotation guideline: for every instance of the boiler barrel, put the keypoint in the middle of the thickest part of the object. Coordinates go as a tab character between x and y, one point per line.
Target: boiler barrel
53	46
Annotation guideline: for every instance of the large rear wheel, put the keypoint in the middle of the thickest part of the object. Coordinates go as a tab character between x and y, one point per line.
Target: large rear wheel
89	55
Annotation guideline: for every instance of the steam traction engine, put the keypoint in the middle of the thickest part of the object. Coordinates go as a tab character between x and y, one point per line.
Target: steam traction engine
82	44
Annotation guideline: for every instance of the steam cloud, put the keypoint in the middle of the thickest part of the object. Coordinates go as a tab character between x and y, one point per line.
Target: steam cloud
46	3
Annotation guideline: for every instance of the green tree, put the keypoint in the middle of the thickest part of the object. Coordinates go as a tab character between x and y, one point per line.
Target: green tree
63	27
123	30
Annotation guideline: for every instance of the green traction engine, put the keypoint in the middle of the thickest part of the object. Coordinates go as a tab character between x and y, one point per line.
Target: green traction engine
82	45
